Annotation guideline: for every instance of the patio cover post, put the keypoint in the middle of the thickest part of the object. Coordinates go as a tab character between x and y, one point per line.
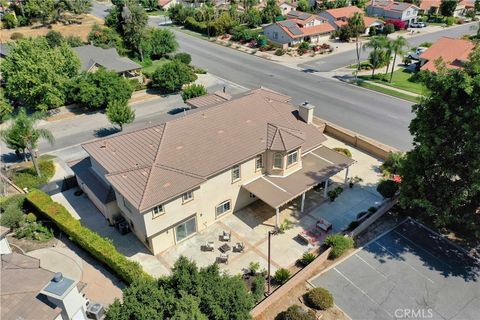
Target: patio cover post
277	211
303	202
346	176
325	189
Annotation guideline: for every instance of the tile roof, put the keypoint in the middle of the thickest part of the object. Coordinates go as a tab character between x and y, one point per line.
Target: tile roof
208	100
318	29
469	4
108	58
345	12
22	279
427	4
452	51
390	5
155	164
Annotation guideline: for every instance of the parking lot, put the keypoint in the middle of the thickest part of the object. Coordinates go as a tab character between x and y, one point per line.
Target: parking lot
408	273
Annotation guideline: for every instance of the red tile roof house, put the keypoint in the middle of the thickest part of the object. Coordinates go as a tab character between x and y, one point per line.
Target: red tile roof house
453	52
298	27
393	10
433	7
174	179
339	17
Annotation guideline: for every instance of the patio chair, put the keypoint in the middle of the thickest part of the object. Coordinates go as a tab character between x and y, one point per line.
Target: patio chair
226	236
223	258
239	247
209	246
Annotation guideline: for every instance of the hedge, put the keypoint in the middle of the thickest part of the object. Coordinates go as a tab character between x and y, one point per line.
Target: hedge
100	248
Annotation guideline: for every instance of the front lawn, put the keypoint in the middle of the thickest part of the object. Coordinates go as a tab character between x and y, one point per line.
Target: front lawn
401	95
402	79
27	178
149	68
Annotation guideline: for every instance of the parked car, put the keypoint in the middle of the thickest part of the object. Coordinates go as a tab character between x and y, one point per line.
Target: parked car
418	25
416	54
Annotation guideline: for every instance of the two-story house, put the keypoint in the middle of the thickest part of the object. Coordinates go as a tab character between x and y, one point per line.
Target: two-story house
174	179
338	17
393	10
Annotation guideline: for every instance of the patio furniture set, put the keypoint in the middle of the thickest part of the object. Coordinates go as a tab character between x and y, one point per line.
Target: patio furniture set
225	247
313	236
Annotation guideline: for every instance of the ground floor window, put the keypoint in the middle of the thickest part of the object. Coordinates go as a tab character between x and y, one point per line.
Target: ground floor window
222	208
186	228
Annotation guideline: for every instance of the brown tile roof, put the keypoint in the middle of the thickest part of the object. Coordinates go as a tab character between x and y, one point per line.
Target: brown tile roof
155	164
427	4
317	166
345	12
317	30
283	139
21	281
453	52
208	100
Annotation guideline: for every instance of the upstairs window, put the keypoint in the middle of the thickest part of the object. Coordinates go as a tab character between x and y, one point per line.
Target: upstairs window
277	161
259	162
292	157
158	211
187	196
235	173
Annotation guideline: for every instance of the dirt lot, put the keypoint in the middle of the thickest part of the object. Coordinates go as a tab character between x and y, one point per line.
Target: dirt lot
80	30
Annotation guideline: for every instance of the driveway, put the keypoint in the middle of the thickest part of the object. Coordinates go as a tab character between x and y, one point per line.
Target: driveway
408	272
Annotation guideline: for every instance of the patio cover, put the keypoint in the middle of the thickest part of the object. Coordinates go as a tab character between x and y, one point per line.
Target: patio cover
317	166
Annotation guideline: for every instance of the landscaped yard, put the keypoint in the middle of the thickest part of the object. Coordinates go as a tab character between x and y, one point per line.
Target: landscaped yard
402	79
149	69
401	95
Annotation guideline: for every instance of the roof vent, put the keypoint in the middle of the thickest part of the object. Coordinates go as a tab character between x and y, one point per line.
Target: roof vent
248	121
166	185
220	131
57	277
179	148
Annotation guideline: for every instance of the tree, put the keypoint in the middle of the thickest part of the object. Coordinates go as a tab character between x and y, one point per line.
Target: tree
9	21
477	6
157	43
193	91
253	18
149	4
6	108
95	90
42	9
104	37
189	293
54	38
387	188
271	12
377	56
133	23
397	46
183	57
23	135
74	41
441	174
357	27
303	5
120	113
171	76
447	7
35	74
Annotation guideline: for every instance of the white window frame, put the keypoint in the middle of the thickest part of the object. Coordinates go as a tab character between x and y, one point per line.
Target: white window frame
185	222
290	155
257	158
158	211
187	196
223	208
275	159
234	168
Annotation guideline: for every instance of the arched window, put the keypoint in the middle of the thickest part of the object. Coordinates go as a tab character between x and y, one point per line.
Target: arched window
277	160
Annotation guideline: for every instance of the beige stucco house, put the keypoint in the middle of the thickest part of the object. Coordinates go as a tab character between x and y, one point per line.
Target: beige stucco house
171	180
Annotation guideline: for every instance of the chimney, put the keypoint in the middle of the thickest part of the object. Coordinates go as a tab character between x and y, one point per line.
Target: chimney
305	111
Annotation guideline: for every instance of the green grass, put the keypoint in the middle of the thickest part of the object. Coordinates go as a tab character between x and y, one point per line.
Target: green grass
157	13
149	69
401	80
27	178
362	63
394	93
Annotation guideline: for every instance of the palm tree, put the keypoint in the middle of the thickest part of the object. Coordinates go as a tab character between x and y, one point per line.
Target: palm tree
377	43
22	134
397	48
357	27
388	48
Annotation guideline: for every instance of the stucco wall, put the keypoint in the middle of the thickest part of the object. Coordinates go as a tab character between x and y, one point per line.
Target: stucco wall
282	38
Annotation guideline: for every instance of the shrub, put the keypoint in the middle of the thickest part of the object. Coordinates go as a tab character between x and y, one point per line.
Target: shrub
254	267
398	24
339	244
34	231
388	29
344	151
31	217
304	45
449	21
426	44
372	209
9	21
192	91
387	188
352	225
54	38
279	52
100	248
16	36
28	178
258	288
281	276
183	57
333	194
361	214
319	298
295	312
393	162
74	41
12	215
171	76
307	258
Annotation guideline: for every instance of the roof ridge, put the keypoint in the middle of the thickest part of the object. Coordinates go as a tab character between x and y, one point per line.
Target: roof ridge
145	166
193	175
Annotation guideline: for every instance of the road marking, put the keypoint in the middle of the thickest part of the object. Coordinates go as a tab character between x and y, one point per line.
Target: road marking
368	264
359	289
423	276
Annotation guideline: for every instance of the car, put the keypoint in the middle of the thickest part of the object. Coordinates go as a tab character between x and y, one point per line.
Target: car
416	54
418	25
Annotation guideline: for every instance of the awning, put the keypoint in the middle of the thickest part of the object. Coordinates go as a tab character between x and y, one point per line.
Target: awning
317	166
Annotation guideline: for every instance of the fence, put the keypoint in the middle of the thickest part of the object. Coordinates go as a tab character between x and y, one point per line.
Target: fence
299	277
7	187
368	145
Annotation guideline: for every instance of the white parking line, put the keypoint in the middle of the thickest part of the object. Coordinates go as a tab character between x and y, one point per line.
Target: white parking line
368	264
359	289
406	263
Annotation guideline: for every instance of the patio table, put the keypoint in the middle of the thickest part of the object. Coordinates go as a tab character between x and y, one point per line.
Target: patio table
224	248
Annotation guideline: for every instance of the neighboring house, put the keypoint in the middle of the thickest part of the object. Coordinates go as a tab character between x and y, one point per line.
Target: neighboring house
453	52
174	179
298	27
433	7
29	292
468	4
287	7
92	58
393	10
339	17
